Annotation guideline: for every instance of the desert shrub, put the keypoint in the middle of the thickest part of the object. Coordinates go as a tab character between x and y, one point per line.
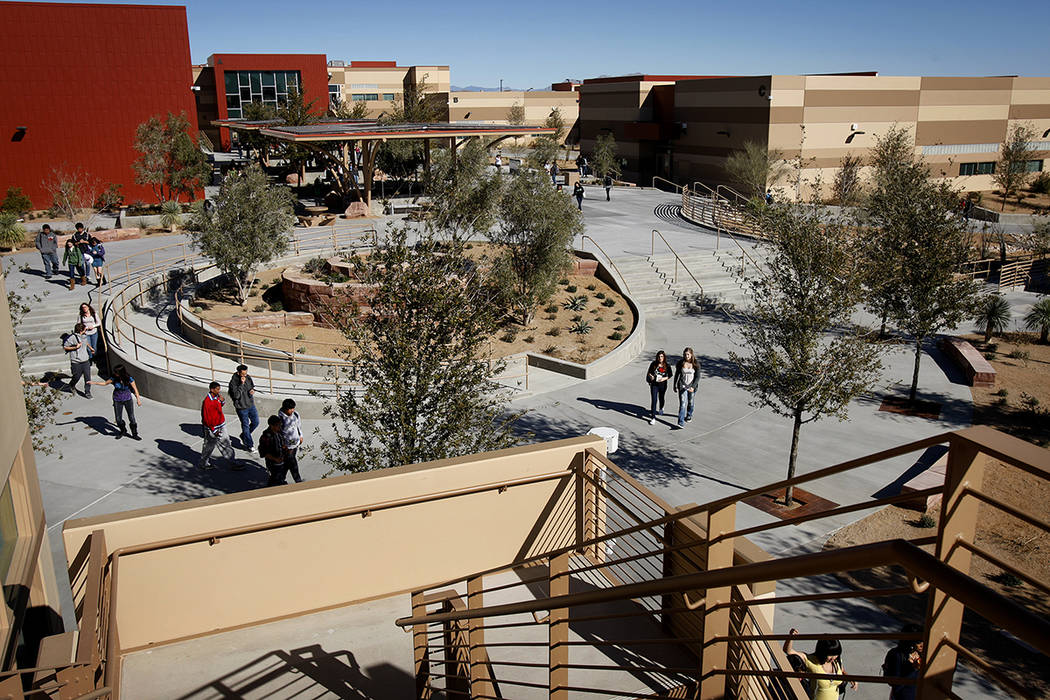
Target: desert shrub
599	295
571	289
1022	355
555	331
259	308
301	350
592	287
1041	184
509	335
1003	392
265	341
530	339
300	336
576	303
927	520
617	335
620	327
563	281
619	312
550	350
609	302
315	266
1030	403
581	327
551	308
277	305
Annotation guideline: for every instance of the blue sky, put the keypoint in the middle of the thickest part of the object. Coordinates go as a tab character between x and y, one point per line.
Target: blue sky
531	44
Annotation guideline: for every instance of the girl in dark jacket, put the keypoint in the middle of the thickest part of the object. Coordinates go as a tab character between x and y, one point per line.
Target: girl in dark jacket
658	376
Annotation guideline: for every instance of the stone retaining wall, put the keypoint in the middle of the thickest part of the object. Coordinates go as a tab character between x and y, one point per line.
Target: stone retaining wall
263	321
304	294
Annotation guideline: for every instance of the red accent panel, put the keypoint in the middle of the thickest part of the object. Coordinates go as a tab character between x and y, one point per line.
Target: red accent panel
313	68
81	78
373	64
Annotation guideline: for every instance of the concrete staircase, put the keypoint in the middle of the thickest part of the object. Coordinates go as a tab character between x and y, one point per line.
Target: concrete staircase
42	328
653	285
648	289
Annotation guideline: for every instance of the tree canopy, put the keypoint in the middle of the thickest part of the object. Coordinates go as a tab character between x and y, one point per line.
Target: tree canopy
171	161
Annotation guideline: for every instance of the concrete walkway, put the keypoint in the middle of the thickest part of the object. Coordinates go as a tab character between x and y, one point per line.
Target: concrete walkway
730	446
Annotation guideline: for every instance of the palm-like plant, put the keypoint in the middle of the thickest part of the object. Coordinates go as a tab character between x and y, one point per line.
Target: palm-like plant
12	233
994	313
1039	317
170	215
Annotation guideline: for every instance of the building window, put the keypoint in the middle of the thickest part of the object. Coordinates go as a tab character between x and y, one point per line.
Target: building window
1034	166
364	86
388	96
334	95
982	168
268	87
365	97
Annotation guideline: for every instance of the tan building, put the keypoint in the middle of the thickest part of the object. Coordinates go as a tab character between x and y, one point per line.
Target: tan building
495	106
31	595
684	129
380	84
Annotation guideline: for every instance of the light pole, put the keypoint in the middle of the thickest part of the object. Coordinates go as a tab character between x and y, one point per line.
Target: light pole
501	84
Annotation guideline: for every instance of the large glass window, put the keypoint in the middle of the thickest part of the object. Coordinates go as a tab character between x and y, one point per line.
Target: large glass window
268	87
388	96
983	168
365	97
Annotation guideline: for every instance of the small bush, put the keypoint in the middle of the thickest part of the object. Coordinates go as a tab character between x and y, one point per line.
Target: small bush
259	308
554	331
301	350
16	202
551	308
265	286
619	312
571	289
551	317
265	341
599	319
595	311
599	295
509	335
316	266
577	317
581	327
609	302
1023	355
617	335
1002	392
563	281
301	336
575	303
926	520
1041	184
277	305
469	246
1030	403
550	350
591	288
992	347
620	327
530	339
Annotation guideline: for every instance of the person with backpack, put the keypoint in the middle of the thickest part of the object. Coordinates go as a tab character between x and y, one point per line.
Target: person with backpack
125	397
73	258
242	392
98	259
658	375
79	350
47	243
272	450
607	181
292	426
213	420
825	659
904	661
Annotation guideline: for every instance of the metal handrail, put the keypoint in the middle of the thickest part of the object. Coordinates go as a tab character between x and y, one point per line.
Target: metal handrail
672	184
677	259
619	274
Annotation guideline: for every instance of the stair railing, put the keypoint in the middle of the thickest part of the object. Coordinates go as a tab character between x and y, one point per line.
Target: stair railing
677	188
677	260
584	237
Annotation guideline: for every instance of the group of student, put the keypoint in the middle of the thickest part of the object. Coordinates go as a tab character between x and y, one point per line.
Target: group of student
685	376
278	445
82	252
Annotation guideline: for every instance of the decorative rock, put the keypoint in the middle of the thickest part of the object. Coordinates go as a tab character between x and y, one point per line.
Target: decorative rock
356	210
582	266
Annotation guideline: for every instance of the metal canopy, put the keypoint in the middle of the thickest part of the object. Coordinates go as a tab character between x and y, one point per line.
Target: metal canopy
372	131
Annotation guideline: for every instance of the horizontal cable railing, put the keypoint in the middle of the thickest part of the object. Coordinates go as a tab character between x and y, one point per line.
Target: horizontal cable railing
628	565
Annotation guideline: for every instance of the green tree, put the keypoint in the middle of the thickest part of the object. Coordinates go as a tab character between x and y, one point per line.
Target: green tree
756	169
516	114
402	158
535	231
796	356
545	147
110	198
247	227
12	232
252	141
606	160
993	312
296	111
350	109
1038	318
426	383
847	186
1011	172
171	162
41	401
16	202
463	197
921	245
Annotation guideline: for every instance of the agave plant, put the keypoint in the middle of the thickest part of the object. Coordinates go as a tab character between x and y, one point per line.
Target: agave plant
994	313
581	327
1039	318
12	233
170	215
576	303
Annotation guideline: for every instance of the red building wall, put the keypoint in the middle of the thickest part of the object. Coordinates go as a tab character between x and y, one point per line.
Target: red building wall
313	69
81	78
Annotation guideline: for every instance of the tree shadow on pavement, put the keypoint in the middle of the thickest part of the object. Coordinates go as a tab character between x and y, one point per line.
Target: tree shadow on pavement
173	474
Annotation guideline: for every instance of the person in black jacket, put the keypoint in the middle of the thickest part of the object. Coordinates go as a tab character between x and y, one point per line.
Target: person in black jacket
242	393
686	382
658	376
904	661
271	449
577	192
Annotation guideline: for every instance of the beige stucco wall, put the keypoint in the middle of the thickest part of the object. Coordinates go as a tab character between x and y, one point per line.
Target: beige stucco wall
494	106
199	588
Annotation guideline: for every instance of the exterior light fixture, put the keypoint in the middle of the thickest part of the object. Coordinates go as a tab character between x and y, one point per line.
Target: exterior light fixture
723	133
20	133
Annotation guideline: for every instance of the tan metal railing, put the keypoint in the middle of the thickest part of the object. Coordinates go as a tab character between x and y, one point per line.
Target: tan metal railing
677	188
585	237
704	610
707	207
677	260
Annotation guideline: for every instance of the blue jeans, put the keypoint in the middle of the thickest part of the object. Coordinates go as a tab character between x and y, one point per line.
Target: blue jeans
685	405
249	422
657	390
75	270
51	265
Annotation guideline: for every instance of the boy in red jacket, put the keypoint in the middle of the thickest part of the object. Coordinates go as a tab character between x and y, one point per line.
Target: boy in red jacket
214	421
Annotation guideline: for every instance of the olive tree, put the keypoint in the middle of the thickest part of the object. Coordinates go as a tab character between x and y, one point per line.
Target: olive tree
246	228
171	161
1011	172
463	196
755	169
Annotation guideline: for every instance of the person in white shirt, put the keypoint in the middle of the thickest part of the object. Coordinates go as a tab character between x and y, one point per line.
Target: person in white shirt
293	437
686	382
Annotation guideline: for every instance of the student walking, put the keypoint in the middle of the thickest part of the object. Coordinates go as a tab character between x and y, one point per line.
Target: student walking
272	450
98	259
658	374
554	173
214	422
499	164
72	257
79	351
293	437
89	319
904	661
81	238
125	398
577	192
607	182
686	381
826	659
47	243
242	392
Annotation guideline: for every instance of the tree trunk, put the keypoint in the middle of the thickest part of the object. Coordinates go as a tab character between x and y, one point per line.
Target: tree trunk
987	331
1043	334
793	456
915	374
885	317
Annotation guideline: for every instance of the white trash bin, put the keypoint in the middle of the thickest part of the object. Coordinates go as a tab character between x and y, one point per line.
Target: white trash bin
610	435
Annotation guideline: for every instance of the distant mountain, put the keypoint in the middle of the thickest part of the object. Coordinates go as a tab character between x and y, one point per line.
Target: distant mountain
478	88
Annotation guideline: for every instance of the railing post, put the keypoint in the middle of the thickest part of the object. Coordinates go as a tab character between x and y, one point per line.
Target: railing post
478	669
419	648
958	522
558	629
716	621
